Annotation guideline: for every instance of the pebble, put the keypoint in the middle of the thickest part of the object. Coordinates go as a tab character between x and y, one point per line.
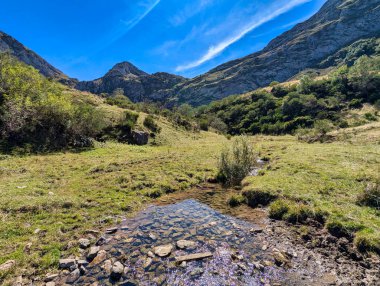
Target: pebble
50	283
102	255
163	250
84	243
111	230
50	277
183	244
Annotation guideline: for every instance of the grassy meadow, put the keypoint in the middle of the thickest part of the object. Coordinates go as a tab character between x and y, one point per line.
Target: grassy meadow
49	201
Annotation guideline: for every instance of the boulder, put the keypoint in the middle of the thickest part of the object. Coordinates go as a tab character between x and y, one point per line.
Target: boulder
73	276
140	137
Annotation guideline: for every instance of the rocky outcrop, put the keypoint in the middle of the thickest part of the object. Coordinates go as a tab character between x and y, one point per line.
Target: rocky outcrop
338	24
22	53
136	84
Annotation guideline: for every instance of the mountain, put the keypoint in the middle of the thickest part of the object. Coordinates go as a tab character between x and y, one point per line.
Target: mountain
137	85
18	50
338	24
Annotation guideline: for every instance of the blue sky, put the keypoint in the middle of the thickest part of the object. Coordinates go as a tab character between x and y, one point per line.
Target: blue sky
85	38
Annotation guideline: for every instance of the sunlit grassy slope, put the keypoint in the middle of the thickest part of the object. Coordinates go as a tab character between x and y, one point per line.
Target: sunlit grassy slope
64	194
327	176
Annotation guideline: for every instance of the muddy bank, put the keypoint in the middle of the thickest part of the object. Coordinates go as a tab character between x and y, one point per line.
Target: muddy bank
227	246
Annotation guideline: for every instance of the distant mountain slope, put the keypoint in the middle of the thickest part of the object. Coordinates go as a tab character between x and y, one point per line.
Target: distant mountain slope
137	85
14	47
338	24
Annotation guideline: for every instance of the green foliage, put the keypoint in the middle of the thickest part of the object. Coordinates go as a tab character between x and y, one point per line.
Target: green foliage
236	162
121	131
37	115
257	197
236	200
150	123
120	101
288	108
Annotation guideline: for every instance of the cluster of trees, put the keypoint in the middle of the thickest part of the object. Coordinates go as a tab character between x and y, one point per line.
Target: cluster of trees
285	109
37	114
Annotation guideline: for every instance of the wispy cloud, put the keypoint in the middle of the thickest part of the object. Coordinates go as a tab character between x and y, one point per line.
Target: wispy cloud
147	7
189	11
213	51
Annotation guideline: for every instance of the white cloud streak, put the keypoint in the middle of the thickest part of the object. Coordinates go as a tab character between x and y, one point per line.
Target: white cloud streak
214	51
133	22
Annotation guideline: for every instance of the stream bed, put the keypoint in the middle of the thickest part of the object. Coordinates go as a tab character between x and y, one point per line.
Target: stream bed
238	256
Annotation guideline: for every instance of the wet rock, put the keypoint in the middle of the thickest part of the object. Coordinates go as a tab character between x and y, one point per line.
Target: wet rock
7	265
117	271
147	262
256	230
73	276
195	256
93	253
107	266
84	243
152	236
280	258
163	250
183	244
196	271
66	263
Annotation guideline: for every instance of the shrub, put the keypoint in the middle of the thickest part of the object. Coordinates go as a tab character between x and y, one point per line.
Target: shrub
151	124
278	209
370	117
370	196
38	115
236	200
236	162
340	228
203	125
258	197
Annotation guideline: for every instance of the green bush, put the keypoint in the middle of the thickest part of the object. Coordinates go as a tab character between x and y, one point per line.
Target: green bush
367	241
278	209
236	200
37	115
151	124
236	162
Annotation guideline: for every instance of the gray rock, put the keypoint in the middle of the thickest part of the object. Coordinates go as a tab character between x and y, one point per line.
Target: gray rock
117	271
93	253
50	277
102	240
66	263
50	283
84	243
73	276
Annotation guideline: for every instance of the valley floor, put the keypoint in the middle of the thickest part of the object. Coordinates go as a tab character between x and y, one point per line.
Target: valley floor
49	202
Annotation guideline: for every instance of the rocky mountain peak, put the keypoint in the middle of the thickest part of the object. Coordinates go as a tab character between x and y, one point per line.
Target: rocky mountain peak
125	69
